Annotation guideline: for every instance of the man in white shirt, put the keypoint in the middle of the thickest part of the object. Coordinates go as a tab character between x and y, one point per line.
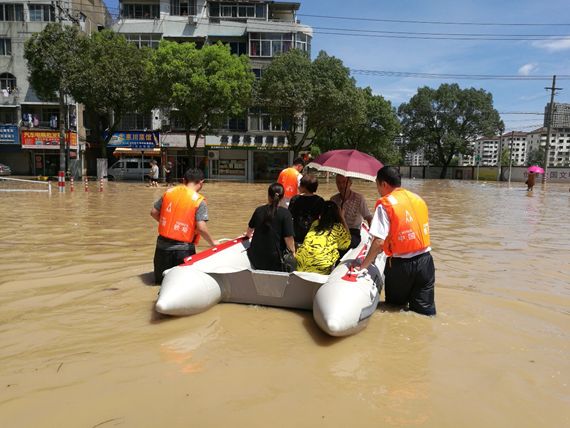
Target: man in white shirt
400	228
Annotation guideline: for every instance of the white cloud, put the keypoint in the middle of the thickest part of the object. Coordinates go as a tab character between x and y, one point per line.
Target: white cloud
526	69
553	45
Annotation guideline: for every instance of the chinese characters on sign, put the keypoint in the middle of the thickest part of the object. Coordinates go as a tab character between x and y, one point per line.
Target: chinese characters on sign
47	139
9	134
134	140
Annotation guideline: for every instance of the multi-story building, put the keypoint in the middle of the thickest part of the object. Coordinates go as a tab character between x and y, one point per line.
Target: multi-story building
517	144
29	141
253	147
560	115
559	151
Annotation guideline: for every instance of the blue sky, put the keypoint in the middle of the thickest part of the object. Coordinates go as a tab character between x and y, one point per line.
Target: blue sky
546	57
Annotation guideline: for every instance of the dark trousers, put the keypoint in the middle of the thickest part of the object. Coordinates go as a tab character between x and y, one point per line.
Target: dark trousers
411	281
169	253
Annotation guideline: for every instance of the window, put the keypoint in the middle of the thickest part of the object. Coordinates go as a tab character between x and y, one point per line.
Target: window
5	47
235	124
183	7
7	81
141	11
303	42
237	11
238	48
11	12
41	12
258	72
269	44
261	120
8	115
144	40
136	121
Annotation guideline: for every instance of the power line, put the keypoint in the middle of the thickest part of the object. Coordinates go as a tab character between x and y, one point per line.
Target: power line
453	76
415	21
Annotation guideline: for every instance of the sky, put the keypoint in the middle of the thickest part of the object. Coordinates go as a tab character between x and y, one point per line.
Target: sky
423	55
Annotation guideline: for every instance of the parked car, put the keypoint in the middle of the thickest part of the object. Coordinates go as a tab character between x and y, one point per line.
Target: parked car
5	169
129	169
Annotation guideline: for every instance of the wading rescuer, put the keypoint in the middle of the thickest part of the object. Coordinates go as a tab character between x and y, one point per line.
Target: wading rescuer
290	178
181	214
400	228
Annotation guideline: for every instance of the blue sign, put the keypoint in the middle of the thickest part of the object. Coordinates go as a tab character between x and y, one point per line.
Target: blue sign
134	140
9	134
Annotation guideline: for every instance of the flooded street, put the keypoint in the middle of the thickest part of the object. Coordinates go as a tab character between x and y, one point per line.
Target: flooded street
82	346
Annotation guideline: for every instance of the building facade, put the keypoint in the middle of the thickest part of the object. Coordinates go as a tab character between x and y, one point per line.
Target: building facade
29	140
559	151
253	147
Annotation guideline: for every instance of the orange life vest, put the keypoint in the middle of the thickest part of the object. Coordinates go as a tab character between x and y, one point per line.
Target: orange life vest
409	222
289	179
178	214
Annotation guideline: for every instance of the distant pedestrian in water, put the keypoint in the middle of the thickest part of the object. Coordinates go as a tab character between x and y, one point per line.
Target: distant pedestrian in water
168	173
153	173
530	181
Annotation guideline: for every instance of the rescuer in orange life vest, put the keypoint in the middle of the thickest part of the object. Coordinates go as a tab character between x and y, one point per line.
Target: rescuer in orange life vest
181	214
290	178
400	228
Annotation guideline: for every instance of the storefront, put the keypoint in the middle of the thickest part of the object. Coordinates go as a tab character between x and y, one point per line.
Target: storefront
43	147
247	157
11	152
173	146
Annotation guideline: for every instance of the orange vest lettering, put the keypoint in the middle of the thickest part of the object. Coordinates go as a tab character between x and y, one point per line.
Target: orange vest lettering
289	179
409	222
178	214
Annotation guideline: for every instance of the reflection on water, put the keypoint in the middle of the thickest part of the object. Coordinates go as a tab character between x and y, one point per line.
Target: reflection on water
82	346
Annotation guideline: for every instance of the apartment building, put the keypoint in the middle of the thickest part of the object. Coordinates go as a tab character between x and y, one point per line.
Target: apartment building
29	140
253	147
517	144
559	152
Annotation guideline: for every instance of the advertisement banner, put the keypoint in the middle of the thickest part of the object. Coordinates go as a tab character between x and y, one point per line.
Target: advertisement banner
134	140
9	134
47	140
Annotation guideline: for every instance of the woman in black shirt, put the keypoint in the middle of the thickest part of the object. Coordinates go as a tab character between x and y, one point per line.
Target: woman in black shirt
273	227
306	207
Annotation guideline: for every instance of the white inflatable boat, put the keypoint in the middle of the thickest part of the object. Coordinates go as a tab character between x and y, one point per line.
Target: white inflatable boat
342	302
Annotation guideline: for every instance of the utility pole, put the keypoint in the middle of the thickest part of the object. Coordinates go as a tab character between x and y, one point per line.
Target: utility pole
552	90
511	155
500	154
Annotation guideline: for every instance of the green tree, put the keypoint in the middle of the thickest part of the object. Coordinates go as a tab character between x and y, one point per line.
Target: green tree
505	157
336	103
444	120
52	57
201	87
372	131
535	157
286	92
111	80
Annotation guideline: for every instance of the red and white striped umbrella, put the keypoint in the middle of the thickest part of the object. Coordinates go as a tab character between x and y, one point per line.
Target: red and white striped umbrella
350	163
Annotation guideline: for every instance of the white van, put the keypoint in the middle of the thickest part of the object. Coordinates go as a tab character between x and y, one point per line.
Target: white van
129	169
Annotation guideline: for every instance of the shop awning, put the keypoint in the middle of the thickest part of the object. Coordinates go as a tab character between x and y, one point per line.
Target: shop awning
136	152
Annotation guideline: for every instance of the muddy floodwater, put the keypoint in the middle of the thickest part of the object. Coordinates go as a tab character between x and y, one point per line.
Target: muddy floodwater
80	344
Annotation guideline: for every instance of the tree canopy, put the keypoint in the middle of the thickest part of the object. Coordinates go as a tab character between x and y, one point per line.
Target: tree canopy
52	57
372	130
442	121
111	79
200	87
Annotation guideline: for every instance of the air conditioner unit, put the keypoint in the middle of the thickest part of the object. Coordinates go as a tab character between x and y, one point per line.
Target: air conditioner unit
192	19
213	155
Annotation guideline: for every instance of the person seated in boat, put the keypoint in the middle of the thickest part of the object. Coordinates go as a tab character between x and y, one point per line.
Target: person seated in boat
306	207
327	237
353	206
181	214
271	226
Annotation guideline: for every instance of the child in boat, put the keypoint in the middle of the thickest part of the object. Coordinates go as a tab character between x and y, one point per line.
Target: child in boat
320	249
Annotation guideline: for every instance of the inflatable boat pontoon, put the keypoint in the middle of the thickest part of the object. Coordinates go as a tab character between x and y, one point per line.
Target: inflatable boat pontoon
342	302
